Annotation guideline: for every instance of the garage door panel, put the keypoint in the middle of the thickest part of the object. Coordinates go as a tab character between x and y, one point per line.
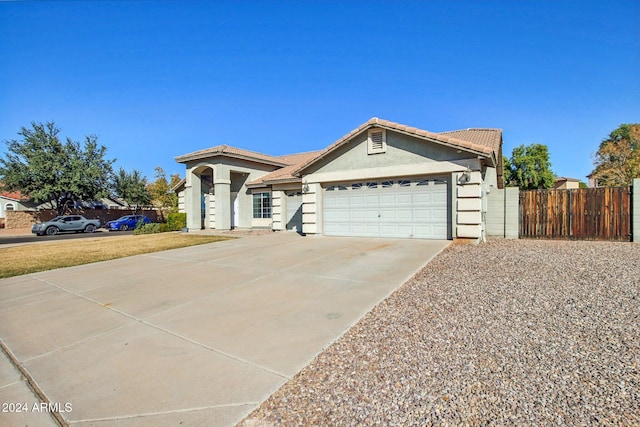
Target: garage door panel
404	199
371	200
424	231
357	229
371	215
357	215
439	214
387	215
439	198
371	230
337	215
331	202
357	201
387	200
405	230
404	214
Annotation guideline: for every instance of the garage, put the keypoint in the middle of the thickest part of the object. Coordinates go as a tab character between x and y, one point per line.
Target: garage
403	208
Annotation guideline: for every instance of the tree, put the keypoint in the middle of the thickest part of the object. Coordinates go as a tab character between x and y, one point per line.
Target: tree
160	190
132	188
617	161
175	180
49	171
529	168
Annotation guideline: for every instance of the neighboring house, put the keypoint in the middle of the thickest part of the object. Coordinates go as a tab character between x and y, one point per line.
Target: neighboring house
13	201
179	190
383	179
564	183
593	181
16	201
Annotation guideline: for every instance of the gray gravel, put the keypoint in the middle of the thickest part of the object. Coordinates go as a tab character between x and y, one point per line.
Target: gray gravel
511	332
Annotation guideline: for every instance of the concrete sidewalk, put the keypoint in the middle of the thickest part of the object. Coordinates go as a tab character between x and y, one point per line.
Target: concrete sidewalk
198	336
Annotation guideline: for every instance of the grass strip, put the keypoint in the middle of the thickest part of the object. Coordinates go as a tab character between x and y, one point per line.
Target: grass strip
25	259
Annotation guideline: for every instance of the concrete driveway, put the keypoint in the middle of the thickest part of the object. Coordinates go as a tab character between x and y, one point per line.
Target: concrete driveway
193	336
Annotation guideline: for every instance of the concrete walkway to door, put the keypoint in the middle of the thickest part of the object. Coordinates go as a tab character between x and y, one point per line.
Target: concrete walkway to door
193	336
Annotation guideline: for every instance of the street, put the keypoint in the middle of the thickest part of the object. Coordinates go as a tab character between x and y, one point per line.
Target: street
32	238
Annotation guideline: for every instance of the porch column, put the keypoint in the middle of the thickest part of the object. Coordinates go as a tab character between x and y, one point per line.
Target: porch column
222	188
192	200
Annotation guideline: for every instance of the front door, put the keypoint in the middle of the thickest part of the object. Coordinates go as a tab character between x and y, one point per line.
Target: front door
294	211
235	216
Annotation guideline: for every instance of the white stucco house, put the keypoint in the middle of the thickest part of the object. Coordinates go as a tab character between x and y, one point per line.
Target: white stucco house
383	179
13	201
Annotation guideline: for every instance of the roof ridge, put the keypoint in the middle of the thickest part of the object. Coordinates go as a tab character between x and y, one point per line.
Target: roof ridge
462	130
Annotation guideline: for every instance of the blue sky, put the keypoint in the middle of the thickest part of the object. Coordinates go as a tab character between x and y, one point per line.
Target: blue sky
157	79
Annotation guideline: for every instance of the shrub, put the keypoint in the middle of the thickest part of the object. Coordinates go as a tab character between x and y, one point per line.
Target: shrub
152	228
176	221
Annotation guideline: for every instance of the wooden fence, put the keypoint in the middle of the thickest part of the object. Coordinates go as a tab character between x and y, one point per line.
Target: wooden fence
585	213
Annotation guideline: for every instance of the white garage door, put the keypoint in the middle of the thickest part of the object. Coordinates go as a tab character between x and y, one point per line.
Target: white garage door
406	208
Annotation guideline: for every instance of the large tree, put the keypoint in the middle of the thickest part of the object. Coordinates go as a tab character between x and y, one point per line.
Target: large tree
160	190
132	188
47	170
529	168
617	161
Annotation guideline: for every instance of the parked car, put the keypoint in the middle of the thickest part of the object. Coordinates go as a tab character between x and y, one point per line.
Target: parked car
126	222
65	223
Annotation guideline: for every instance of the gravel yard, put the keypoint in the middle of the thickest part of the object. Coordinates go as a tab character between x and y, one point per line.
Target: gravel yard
508	332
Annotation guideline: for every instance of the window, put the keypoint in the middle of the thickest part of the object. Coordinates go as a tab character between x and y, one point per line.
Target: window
356	186
387	184
9	207
372	185
377	141
404	183
262	205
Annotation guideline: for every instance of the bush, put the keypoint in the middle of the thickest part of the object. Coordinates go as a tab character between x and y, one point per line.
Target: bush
176	221
152	228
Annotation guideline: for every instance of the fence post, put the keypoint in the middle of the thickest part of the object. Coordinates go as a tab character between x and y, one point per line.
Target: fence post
511	212
635	210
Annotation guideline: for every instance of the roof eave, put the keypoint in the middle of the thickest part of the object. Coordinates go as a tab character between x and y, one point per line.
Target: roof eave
273	182
189	158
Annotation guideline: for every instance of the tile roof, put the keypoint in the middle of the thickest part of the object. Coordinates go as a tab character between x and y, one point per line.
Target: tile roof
485	142
13	195
285	174
488	137
226	150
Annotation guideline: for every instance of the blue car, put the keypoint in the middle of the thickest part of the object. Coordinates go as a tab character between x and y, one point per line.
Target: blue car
127	222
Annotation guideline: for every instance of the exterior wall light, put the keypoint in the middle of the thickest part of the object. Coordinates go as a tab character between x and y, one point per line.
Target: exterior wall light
305	187
465	177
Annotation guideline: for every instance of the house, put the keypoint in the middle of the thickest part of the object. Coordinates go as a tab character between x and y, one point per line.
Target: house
382	179
16	201
13	201
564	183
